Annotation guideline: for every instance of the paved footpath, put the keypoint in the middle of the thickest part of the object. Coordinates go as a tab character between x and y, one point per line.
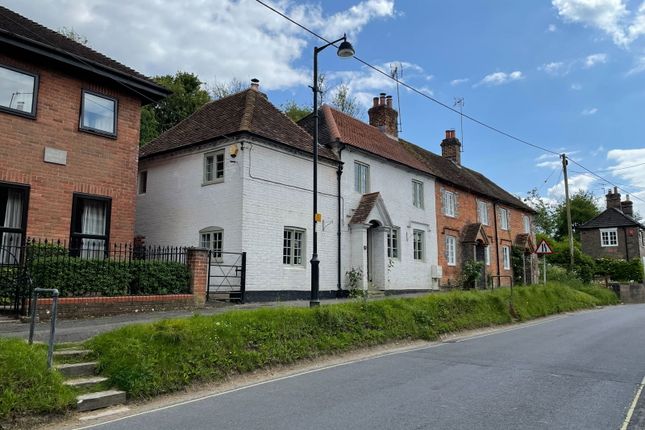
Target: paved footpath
575	371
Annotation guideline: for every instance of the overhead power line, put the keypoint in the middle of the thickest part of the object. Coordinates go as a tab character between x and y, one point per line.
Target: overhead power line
606	180
411	88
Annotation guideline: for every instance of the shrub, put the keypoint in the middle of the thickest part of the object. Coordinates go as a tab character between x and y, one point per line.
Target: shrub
77	277
620	270
28	386
471	273
149	359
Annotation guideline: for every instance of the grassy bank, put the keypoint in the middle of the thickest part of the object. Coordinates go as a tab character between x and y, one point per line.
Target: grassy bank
27	386
149	359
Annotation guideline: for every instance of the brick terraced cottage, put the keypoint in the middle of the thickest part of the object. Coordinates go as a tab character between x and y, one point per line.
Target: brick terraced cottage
614	233
69	134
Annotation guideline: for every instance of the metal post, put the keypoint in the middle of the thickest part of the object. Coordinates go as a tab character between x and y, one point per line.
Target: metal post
315	263
243	278
568	205
32	311
52	330
544	274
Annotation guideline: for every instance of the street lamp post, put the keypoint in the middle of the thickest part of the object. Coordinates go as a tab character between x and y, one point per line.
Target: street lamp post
345	50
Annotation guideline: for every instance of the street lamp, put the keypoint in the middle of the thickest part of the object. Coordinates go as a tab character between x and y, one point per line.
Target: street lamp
345	50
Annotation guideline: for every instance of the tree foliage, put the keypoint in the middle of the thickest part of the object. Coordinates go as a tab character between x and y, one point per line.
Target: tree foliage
187	96
583	208
219	89
544	221
342	100
295	111
70	33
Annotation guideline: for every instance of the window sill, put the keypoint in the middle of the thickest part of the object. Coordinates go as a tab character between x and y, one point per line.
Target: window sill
609	246
216	181
98	133
294	267
17	112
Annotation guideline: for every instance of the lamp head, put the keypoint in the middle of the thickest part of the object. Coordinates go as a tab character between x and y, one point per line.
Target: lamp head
345	50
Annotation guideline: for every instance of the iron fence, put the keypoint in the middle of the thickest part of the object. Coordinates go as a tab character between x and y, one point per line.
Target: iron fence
88	268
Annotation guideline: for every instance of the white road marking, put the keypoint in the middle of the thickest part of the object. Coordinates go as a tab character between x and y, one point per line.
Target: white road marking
402	350
103	414
630	412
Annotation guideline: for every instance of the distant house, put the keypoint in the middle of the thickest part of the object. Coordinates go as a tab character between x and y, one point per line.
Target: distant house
614	233
69	134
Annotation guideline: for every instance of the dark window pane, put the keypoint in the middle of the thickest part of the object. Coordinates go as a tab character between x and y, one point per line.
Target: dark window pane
17	90
98	113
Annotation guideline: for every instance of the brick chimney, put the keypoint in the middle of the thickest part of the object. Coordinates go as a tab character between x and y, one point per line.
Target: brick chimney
627	206
383	116
613	199
451	147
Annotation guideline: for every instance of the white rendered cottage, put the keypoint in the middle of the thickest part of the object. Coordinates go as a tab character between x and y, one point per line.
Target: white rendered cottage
237	176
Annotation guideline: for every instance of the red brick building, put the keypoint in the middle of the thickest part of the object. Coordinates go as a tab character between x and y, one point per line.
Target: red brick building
69	135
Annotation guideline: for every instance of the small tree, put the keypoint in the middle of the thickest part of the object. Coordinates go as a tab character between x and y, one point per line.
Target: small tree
345	102
295	111
219	90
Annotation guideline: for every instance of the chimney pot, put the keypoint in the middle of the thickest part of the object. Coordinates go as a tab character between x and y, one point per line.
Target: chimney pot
382	99
388	101
375	100
255	83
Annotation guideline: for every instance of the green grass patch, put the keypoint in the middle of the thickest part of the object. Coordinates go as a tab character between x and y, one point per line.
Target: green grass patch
27	386
149	359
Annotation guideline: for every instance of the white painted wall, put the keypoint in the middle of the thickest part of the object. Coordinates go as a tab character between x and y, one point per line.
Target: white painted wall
266	188
394	182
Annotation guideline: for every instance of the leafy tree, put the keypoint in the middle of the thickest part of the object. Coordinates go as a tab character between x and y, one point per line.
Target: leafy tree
344	102
187	96
295	111
583	208
71	34
544	219
219	90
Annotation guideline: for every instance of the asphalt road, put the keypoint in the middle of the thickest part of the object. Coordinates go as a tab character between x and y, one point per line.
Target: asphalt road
580	371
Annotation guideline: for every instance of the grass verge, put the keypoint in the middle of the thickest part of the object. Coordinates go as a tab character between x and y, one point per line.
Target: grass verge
27	386
150	359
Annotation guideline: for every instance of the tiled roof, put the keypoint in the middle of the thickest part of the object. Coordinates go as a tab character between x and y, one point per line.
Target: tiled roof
364	208
473	232
16	27
338	126
246	111
464	177
611	217
523	240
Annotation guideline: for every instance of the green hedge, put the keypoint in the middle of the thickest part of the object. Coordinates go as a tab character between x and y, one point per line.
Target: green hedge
149	359
620	270
77	277
27	386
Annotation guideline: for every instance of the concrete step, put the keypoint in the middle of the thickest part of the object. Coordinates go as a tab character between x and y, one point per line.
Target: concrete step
77	369
65	353
85	382
100	400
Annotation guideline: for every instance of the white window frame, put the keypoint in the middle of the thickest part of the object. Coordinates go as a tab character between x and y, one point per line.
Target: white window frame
487	255
503	218
506	252
417	194
482	212
451	250
527	223
217	175
606	233
212	238
418	245
394	243
142	182
450	204
290	256
361	177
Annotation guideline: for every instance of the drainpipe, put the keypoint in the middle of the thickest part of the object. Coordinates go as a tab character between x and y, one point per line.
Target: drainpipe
339	173
626	245
499	280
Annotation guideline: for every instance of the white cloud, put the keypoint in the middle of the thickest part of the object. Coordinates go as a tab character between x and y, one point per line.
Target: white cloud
597	151
551	164
460	81
555	68
589	111
581	182
639	66
610	16
500	78
552	28
594	59
634	177
576	87
212	38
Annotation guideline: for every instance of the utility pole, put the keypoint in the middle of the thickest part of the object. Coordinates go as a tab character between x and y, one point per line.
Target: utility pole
568	204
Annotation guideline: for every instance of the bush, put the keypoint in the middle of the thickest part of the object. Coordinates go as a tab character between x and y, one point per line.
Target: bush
471	273
149	359
77	277
28	386
620	270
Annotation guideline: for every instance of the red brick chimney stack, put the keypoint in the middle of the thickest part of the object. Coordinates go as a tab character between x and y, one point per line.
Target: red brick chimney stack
451	147
627	206
613	199
383	116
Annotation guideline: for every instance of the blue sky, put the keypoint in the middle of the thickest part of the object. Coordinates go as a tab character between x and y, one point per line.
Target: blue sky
568	75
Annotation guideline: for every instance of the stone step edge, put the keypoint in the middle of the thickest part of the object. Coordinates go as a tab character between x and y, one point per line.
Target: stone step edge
71	352
84	382
100	400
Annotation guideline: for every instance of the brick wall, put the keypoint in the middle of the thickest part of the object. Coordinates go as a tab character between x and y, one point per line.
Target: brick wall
629	244
96	165
466	213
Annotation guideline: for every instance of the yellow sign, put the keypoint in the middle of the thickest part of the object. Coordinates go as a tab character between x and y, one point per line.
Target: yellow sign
318	217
